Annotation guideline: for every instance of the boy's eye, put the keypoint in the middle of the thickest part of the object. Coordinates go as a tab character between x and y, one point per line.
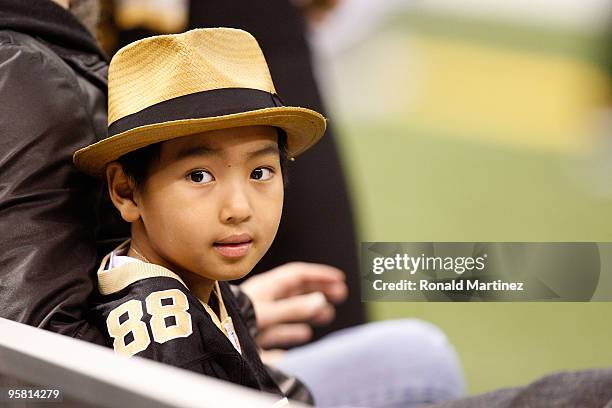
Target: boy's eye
200	177
262	173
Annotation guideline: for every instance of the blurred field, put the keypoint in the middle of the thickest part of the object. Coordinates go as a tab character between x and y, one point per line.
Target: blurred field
418	187
455	139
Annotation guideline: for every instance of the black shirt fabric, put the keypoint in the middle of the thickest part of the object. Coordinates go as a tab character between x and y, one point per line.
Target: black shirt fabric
204	349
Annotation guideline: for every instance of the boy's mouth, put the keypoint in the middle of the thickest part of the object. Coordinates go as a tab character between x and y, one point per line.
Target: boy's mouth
234	246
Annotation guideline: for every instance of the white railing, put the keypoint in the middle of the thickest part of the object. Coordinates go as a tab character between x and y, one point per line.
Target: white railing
95	376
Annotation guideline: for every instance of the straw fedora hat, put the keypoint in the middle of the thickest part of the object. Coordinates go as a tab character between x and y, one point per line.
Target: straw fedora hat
177	85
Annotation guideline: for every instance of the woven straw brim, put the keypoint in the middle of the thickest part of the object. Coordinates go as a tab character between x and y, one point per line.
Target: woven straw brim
304	127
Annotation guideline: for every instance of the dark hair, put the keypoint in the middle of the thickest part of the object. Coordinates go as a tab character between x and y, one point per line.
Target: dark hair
137	164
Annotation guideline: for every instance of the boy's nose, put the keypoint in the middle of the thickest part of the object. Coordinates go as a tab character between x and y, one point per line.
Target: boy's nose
236	207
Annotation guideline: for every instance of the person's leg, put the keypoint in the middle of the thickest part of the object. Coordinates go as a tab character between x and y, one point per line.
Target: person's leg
394	363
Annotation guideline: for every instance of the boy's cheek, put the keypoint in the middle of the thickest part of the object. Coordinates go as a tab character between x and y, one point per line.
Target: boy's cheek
186	214
272	223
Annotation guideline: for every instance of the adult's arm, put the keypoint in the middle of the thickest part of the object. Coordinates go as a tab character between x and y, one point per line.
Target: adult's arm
47	209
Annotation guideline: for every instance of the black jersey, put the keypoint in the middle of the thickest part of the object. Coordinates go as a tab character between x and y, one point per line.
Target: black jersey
147	311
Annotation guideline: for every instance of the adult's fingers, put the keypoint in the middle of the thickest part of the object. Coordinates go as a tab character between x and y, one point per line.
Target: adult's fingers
325	317
284	335
270	357
300	308
303	277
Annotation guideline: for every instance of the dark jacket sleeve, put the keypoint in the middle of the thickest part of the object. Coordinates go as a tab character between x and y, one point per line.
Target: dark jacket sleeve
47	249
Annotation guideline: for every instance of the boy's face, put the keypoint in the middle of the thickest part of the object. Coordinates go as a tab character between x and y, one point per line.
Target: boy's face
212	203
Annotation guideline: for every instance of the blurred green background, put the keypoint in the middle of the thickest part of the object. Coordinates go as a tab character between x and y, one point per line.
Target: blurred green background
456	129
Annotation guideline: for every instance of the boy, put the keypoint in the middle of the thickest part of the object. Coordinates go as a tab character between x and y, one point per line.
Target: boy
194	159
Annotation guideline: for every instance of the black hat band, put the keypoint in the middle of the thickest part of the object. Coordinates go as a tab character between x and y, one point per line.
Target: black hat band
205	104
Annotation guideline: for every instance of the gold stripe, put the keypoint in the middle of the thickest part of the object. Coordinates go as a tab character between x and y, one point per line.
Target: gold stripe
113	280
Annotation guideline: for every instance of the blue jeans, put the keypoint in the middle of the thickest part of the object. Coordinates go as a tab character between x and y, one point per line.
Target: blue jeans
393	363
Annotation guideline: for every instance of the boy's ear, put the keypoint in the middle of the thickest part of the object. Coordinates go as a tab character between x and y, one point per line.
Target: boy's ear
121	189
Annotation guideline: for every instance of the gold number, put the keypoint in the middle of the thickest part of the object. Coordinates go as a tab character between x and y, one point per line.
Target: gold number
133	324
177	308
159	312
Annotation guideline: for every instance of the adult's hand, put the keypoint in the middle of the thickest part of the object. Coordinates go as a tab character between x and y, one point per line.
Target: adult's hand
291	297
